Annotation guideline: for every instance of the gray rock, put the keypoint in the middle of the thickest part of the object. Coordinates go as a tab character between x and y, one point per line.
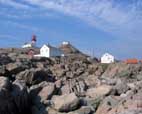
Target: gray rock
21	96
35	89
34	76
39	94
4	59
47	91
13	99
65	103
92	102
138	111
4	83
53	111
65	89
100	91
139	77
75	85
4	71
121	88
37	110
82	110
15	68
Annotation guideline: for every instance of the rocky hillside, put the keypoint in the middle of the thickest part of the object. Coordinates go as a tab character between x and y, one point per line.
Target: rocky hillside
67	85
69	49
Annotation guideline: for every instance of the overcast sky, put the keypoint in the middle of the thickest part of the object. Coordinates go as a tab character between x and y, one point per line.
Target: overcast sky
98	26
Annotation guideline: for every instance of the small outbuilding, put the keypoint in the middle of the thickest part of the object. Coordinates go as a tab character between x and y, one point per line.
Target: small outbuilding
107	58
131	61
49	51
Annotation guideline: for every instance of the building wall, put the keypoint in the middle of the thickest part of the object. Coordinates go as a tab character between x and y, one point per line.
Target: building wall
45	51
107	59
27	46
55	52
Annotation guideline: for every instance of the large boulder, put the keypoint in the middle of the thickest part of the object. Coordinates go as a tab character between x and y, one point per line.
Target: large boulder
15	68
82	110
131	104
93	102
65	103
122	70
34	76
77	86
120	88
14	98
136	111
4	59
4	71
35	89
65	89
96	69
115	69
92	81
58	70
21	96
47	91
53	111
100	91
40	93
4	83
107	104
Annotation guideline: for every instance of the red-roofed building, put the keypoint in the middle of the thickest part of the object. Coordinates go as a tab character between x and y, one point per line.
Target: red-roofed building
131	61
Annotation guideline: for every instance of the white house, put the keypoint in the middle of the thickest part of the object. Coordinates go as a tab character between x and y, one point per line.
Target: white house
49	51
107	58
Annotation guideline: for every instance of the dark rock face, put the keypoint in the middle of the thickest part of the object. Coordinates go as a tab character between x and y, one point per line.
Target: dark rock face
4	59
41	95
4	83
34	76
4	71
14	98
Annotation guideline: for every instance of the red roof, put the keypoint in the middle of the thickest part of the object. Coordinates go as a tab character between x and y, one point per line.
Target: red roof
131	61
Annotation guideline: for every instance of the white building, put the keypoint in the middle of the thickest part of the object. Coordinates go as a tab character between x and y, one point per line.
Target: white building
49	51
107	58
27	45
65	43
30	44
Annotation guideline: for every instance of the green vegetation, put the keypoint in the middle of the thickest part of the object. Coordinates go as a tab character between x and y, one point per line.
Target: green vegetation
104	66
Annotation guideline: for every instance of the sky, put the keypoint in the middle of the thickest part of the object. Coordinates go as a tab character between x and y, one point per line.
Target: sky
93	26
